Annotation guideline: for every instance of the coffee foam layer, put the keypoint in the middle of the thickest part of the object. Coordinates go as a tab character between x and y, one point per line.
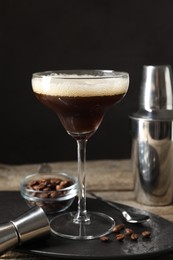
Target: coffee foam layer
83	87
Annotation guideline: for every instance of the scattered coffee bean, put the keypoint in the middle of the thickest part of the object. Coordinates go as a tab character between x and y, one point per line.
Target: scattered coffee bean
128	231
146	233
120	237
104	239
117	228
134	236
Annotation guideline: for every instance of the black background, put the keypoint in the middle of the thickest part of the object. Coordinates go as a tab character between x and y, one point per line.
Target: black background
38	35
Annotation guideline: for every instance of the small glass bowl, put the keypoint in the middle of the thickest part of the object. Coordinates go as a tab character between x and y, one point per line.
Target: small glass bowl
54	192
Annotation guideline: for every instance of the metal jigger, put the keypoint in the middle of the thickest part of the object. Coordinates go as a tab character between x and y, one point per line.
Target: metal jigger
152	137
32	224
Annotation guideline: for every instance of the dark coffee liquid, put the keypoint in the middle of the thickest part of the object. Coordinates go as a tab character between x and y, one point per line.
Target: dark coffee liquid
80	116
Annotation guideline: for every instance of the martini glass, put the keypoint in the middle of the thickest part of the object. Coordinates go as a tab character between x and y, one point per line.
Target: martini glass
80	99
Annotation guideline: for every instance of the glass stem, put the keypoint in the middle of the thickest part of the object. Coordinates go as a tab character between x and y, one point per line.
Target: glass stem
81	215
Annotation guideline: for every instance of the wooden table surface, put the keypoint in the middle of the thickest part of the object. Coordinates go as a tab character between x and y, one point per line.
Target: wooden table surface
111	179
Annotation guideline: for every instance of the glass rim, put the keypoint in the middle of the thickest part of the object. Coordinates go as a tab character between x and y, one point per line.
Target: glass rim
81	74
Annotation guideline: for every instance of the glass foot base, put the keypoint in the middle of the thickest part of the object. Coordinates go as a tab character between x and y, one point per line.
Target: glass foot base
99	225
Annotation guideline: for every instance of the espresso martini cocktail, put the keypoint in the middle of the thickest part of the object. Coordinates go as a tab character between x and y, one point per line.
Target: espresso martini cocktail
80	99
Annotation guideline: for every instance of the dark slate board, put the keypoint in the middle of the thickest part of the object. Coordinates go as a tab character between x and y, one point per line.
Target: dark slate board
160	243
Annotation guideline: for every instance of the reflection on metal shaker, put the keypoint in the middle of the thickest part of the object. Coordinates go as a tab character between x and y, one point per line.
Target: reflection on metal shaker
152	137
152	158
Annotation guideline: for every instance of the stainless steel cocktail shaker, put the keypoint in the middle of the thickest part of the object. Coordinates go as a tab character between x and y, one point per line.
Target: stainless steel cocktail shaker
152	137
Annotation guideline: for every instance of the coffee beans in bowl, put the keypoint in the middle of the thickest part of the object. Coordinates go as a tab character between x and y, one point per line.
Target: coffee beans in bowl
53	192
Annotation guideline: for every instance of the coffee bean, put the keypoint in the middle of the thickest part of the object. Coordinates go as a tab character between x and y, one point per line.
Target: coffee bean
104	239
146	233
128	231
48	188
120	237
117	228
134	236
